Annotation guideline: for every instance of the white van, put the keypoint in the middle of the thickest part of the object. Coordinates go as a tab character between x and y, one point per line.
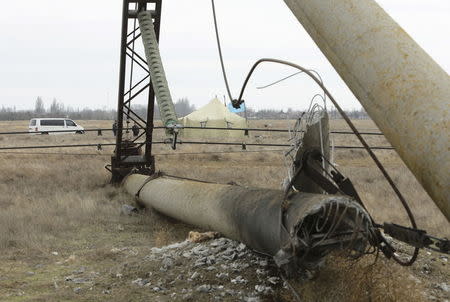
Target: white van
54	125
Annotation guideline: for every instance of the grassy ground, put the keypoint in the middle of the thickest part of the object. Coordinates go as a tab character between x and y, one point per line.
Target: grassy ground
58	213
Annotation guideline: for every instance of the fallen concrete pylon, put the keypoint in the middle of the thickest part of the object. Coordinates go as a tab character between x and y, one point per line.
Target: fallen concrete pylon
297	232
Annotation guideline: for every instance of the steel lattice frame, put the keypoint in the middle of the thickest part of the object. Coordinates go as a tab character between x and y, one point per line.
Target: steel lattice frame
121	162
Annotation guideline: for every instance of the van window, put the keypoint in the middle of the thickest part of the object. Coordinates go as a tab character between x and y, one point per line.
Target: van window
52	123
70	123
33	123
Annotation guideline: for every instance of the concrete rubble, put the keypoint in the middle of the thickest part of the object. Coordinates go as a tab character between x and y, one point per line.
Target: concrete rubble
128	210
216	268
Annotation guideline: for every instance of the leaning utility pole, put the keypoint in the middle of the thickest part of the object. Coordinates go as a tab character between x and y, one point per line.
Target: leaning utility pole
404	91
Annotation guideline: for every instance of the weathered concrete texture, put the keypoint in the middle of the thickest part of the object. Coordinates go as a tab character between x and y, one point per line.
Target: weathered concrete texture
257	217
403	90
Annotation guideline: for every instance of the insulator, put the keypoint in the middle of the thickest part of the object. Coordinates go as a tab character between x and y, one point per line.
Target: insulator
158	76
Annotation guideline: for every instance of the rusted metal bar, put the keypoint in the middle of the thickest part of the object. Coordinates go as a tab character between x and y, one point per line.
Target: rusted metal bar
401	87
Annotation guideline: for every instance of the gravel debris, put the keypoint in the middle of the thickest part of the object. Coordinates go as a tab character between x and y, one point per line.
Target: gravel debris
77	280
167	263
224	263
79	271
443	286
128	210
205	288
77	290
238	280
140	282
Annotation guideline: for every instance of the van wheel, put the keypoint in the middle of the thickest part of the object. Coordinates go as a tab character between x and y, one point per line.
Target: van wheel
44	133
79	132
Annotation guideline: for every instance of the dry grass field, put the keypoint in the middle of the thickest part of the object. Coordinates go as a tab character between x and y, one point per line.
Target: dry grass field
58	213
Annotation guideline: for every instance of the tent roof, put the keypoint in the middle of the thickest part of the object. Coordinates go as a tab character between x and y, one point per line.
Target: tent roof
214	110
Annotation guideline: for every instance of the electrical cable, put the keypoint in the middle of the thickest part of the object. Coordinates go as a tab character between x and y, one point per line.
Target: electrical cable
279	81
324	97
288	77
220	52
358	135
370	132
154	154
181	143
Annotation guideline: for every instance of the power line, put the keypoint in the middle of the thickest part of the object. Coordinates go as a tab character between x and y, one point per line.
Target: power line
53	131
187	127
224	73
243	145
54	153
355	131
155	154
181	153
55	146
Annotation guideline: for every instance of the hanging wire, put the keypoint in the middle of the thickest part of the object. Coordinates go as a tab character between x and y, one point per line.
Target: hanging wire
358	135
324	96
279	81
224	73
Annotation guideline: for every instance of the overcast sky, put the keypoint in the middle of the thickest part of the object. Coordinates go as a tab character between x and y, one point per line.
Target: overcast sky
69	50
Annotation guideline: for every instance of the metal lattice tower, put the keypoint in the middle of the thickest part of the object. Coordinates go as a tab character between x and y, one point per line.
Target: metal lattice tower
129	154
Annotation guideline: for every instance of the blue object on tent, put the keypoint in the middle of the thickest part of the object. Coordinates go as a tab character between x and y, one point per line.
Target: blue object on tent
236	110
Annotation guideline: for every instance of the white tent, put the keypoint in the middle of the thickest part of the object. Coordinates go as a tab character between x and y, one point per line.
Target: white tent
212	115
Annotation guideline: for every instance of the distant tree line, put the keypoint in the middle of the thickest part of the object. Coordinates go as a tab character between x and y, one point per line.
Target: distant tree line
272	114
182	107
58	109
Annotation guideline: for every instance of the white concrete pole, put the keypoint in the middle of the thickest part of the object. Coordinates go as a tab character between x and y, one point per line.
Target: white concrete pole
401	87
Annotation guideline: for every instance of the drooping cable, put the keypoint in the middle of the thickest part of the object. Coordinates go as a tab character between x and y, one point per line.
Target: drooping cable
279	81
324	97
220	52
355	131
288	77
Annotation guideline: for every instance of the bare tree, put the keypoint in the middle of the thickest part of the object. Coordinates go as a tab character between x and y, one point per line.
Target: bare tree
56	108
183	107
39	106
